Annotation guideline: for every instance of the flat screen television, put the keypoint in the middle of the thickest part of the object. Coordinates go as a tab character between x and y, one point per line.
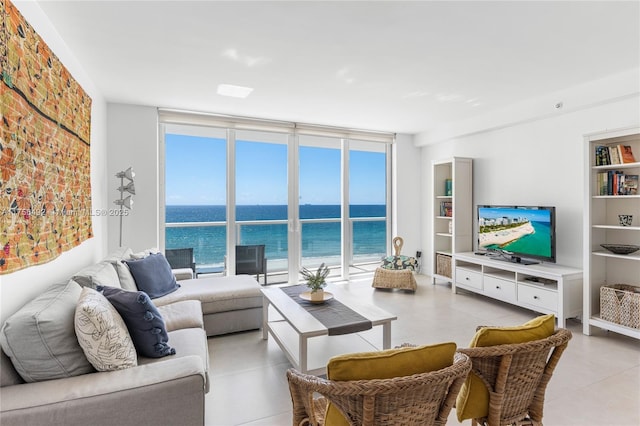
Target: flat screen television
520	234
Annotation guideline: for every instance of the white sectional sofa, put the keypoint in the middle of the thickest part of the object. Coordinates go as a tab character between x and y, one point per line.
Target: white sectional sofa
65	389
229	304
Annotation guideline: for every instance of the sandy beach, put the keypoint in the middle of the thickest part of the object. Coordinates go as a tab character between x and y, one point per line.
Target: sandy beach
505	236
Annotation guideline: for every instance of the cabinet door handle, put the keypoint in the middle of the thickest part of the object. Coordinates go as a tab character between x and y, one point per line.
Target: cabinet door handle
466	278
498	287
536	297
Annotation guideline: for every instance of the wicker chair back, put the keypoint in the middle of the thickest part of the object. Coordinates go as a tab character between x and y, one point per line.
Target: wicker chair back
516	376
420	399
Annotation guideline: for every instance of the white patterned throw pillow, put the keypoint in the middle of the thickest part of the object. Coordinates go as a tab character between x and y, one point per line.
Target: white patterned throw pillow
102	333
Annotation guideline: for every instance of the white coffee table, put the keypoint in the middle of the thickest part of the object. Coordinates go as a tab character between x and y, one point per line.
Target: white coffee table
292	327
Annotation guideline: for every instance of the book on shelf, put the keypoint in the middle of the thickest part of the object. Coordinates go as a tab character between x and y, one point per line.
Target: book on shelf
626	154
446	208
602	156
601	183
614	155
630	185
615	182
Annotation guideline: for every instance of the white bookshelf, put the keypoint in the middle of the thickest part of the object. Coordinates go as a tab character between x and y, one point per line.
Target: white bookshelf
451	234
601	226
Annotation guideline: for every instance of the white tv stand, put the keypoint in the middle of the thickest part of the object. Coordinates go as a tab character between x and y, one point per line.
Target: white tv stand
548	288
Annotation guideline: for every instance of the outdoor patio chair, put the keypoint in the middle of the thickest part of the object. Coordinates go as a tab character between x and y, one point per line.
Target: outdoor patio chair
250	259
181	261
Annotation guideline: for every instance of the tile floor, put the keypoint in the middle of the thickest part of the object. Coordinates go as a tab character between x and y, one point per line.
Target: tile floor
597	381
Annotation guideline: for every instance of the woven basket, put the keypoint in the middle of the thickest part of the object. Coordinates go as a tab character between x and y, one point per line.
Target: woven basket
620	304
443	265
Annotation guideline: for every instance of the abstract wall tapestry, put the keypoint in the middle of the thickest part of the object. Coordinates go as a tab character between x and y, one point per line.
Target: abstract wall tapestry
45	187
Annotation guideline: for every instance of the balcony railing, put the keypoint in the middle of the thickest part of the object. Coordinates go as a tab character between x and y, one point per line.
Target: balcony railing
321	239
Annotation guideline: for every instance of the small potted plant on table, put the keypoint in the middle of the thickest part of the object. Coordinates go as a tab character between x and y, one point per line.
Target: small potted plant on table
316	281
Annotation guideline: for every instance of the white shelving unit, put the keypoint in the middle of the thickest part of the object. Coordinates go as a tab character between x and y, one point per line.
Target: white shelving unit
601	226
452	233
548	288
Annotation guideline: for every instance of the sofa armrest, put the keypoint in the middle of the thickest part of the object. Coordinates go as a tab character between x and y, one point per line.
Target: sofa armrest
168	392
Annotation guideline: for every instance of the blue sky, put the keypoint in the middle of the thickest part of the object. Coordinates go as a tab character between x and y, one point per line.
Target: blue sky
196	173
531	214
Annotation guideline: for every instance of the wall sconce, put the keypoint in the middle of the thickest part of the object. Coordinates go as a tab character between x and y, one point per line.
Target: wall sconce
129	188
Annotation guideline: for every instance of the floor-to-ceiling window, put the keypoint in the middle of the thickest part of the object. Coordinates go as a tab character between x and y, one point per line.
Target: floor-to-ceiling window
195	192
309	197
367	200
320	202
261	196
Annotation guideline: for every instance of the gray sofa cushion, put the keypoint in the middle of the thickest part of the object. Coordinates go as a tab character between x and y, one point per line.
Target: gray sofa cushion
8	374
40	339
117	258
145	324
184	314
101	273
126	279
218	294
187	341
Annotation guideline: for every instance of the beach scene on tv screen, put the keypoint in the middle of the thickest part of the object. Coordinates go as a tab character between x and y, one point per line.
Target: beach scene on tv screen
517	230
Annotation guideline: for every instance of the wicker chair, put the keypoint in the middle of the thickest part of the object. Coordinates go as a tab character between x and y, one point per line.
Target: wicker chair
419	399
516	376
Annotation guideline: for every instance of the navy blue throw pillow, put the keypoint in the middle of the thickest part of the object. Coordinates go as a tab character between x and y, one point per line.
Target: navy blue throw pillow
153	275
144	322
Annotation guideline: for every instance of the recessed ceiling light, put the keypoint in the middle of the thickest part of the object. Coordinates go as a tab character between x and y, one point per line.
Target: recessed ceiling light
234	91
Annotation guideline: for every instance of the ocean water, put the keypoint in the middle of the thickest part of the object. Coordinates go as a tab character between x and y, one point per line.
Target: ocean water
538	243
319	240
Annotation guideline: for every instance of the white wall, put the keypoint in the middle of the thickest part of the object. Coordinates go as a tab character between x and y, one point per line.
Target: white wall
133	142
19	287
407	184
539	162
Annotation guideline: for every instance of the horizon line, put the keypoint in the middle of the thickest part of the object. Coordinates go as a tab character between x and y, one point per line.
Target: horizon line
251	205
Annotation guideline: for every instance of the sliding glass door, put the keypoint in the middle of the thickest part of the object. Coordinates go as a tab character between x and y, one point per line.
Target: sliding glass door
195	193
367	201
309	198
320	202
261	197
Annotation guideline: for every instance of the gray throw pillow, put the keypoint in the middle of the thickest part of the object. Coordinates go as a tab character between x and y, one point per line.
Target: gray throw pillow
40	339
145	324
101	273
116	259
153	275
127	281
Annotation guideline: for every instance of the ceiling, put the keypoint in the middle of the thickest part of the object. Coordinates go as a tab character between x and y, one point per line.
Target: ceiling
380	65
